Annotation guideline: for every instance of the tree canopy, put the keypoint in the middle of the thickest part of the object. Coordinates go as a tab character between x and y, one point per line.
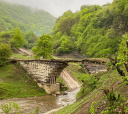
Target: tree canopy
94	31
17	40
5	53
43	47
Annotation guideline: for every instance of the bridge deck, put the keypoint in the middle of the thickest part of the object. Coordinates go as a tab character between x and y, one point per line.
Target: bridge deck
47	60
90	60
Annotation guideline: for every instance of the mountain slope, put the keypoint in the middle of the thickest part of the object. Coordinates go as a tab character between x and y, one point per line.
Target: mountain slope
26	18
94	31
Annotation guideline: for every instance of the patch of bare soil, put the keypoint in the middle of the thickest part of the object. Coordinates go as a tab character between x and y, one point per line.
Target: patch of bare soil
1	80
16	69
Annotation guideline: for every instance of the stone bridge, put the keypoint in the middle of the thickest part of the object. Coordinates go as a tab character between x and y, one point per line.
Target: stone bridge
46	72
95	65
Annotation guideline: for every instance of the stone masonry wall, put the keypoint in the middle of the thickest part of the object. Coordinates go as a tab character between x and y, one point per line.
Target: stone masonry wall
44	73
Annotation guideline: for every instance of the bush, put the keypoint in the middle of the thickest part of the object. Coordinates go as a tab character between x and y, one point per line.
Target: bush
89	85
59	51
113	104
17	40
109	66
5	53
8	107
14	108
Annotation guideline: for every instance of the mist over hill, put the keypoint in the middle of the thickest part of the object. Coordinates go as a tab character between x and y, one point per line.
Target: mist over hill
26	18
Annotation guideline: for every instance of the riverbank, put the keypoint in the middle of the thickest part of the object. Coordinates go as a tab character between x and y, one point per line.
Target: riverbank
45	103
16	86
93	91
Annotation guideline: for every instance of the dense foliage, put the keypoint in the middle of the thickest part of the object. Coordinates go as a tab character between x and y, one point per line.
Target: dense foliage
94	31
30	39
5	53
13	37
17	40
12	16
43	47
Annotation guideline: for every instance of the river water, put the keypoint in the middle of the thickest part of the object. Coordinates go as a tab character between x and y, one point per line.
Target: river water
45	103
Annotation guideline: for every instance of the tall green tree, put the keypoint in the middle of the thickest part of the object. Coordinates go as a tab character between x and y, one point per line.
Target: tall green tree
65	26
17	40
121	61
43	47
5	53
123	52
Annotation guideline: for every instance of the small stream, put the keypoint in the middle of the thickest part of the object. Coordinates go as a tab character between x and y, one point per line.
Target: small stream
45	103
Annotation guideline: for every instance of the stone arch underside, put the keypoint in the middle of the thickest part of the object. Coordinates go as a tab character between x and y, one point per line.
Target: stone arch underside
45	73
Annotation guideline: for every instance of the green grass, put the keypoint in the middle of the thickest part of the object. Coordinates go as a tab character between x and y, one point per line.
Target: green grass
21	56
76	70
69	109
105	80
59	79
14	82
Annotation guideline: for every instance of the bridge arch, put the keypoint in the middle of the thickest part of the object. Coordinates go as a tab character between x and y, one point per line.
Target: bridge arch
46	72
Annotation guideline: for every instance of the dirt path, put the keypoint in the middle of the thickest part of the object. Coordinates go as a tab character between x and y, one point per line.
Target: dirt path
69	80
25	51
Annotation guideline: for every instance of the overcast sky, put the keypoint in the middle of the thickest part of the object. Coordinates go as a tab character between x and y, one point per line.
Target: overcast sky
58	7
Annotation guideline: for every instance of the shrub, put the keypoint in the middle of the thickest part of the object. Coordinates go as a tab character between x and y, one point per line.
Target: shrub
17	40
113	104
109	66
89	85
5	53
8	107
59	51
14	108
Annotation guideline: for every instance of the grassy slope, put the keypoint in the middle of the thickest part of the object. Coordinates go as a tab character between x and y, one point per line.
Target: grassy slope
105	80
14	82
76	71
21	56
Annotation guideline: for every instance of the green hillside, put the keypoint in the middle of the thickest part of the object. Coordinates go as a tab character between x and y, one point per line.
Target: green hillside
94	31
91	98
26	18
14	82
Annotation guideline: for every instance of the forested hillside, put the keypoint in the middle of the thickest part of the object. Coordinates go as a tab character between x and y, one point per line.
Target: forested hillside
26	18
94	31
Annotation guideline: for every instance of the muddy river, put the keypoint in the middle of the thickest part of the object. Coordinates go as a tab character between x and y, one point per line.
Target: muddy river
46	103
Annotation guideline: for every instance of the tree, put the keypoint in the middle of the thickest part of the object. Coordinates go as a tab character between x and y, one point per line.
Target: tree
30	39
123	52
121	61
5	53
17	40
65	26
43	47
